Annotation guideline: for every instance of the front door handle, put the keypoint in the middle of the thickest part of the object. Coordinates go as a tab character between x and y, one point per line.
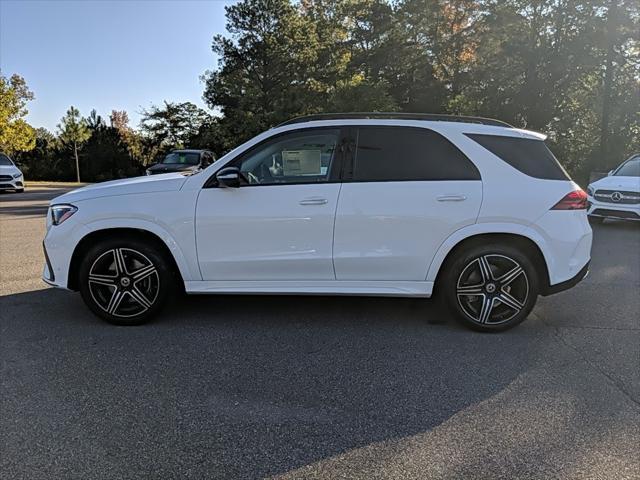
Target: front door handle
314	201
451	198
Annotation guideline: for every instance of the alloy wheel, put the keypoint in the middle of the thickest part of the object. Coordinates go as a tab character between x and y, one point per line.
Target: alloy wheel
123	282
492	289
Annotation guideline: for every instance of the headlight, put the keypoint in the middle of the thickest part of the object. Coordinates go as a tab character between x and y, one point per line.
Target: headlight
17	175
590	191
60	213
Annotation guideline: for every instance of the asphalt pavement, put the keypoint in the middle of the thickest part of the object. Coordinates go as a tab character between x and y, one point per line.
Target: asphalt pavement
244	387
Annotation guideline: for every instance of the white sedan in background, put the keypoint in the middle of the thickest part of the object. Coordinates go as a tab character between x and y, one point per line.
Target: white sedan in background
618	194
11	177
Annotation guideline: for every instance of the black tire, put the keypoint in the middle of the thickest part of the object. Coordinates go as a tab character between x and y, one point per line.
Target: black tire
508	298
114	293
596	220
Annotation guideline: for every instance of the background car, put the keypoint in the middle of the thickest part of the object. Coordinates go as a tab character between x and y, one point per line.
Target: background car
182	161
618	194
11	177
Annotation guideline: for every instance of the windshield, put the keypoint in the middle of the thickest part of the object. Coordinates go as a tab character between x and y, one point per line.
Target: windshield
4	160
630	168
182	158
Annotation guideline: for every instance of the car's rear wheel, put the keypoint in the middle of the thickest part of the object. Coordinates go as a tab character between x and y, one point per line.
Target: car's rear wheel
491	288
125	281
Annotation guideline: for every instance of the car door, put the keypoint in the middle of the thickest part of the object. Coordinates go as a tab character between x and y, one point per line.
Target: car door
407	190
278	225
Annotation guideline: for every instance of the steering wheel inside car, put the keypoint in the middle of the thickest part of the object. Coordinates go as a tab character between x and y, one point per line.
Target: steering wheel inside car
252	178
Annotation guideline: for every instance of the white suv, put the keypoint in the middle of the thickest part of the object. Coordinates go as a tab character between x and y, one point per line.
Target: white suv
618	194
471	209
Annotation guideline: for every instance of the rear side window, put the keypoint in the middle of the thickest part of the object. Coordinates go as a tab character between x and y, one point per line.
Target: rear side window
405	154
529	156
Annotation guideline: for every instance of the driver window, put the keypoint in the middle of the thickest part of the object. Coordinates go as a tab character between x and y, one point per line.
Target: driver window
301	157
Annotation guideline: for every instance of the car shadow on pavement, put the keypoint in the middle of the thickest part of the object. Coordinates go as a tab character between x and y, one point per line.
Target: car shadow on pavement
237	386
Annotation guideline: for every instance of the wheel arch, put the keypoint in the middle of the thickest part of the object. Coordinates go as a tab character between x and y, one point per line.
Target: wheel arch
102	234
523	239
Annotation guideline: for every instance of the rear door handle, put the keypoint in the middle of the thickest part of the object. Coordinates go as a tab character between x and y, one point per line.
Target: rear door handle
451	198
314	201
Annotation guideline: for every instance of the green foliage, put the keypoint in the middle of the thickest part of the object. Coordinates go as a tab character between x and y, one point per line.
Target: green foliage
44	161
73	129
569	69
105	156
15	133
172	125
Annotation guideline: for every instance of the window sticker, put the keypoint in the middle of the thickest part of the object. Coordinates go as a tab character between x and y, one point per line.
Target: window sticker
302	162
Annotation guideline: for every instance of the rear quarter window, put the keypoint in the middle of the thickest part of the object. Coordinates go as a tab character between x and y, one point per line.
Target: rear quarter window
408	154
529	156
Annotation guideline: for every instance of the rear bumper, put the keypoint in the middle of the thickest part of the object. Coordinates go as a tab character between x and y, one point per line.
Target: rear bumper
567	284
565	243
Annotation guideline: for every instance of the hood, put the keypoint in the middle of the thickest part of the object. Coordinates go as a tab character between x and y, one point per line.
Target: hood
171	167
128	186
630	184
9	169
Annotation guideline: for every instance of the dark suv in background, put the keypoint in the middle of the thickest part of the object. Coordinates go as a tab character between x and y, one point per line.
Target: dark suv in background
183	161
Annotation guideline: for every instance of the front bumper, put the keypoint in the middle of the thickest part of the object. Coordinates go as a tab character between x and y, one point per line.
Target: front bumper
48	274
613	210
13	184
59	244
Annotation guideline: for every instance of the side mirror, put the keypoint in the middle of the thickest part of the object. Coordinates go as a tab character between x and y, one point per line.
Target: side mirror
229	177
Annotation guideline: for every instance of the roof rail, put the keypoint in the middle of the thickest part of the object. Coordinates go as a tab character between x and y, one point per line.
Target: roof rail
432	117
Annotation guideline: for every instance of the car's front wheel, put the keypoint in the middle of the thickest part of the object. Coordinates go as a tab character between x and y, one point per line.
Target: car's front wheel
125	281
491	288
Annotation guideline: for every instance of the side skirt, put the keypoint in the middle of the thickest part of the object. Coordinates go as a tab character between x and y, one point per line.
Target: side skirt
319	287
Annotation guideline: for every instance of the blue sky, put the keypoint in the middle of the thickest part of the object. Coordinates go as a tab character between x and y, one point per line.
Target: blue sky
119	54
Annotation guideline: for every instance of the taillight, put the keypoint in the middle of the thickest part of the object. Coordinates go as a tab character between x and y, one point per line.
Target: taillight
576	200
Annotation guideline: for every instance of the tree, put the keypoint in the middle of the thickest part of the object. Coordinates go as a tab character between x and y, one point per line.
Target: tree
15	133
42	162
262	76
119	119
172	125
73	131
94	121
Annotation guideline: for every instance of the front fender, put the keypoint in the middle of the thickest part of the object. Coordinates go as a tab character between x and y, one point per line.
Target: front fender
186	264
